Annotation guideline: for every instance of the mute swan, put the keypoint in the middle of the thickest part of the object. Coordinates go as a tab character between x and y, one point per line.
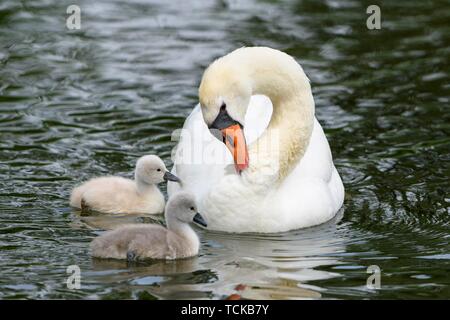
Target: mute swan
140	241
120	195
285	179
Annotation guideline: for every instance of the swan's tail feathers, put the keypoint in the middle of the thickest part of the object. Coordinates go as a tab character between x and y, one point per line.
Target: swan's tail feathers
76	196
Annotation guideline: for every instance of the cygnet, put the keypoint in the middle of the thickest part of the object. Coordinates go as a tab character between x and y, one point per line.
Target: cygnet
151	241
113	194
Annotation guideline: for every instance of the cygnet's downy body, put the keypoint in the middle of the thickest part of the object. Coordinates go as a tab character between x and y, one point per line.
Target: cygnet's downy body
151	241
120	195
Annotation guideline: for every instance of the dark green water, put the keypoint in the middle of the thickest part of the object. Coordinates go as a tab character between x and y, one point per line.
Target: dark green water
75	104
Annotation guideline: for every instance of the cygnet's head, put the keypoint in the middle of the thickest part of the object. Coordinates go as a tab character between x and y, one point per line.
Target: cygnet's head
151	169
182	208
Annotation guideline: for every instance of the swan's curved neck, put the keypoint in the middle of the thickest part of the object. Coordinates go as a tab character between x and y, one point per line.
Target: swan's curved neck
184	231
142	186
278	76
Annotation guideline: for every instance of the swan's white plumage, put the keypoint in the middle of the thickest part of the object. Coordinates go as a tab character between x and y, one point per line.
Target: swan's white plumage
289	180
311	194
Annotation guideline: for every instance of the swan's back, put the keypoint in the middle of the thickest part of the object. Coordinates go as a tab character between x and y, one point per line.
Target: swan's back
141	240
116	195
103	190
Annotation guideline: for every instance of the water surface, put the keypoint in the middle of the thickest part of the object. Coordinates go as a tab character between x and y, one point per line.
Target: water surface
76	104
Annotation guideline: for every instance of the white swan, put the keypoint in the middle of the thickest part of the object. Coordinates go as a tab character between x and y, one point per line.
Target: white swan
152	241
286	178
121	195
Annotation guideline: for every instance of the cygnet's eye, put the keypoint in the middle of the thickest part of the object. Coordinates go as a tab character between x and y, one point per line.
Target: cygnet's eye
158	170
192	208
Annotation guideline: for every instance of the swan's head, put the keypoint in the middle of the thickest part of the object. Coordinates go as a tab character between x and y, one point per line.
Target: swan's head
224	95
151	169
182	208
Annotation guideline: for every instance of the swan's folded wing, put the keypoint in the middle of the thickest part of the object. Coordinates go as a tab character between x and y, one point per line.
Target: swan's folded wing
316	175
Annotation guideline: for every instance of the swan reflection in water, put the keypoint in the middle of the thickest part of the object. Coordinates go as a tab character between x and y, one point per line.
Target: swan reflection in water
247	266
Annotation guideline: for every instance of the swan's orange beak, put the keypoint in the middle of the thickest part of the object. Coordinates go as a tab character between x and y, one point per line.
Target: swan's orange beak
234	139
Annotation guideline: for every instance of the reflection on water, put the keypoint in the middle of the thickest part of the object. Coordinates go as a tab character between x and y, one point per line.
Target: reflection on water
78	104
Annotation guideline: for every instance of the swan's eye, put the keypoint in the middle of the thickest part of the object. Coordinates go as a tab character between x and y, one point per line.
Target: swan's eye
192	208
158	170
223	106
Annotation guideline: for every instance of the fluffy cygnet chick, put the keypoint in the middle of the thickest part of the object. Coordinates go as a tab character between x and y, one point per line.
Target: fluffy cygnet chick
151	241
121	195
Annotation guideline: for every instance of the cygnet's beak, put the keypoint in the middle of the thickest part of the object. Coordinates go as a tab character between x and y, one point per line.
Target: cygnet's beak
171	177
233	137
200	220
